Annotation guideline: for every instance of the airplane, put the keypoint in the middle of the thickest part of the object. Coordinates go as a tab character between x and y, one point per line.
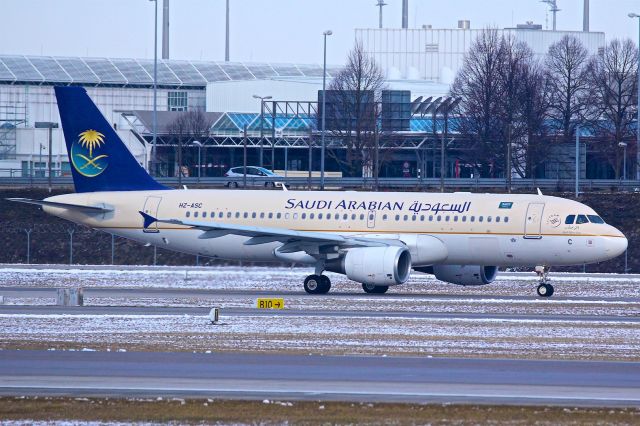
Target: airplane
374	238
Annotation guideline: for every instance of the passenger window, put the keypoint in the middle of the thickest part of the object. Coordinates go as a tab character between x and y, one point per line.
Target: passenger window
455	218
328	216
480	219
431	218
384	217
497	219
295	216
506	219
438	218
195	214
270	215
489	219
582	219
595	219
311	216
397	217
237	215
362	216
570	219
229	214
472	219
406	217
253	215
188	214
278	215
286	215
464	218
421	218
413	218
353	216
262	215
345	216
319	215
246	215
304	215
446	219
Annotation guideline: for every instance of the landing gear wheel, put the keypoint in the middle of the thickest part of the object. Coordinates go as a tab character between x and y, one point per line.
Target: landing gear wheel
375	289
326	284
317	284
545	290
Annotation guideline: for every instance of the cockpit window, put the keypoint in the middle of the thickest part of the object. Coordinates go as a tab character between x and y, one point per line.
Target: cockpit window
582	219
570	219
595	219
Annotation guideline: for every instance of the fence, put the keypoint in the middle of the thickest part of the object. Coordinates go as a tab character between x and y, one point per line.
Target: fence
426	184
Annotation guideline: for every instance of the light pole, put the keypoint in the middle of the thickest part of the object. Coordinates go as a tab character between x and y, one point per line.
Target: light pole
48	125
199	145
324	103
155	89
262	99
635	15
623	145
40	161
577	160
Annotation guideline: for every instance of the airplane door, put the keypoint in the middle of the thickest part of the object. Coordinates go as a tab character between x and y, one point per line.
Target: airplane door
533	221
151	208
371	219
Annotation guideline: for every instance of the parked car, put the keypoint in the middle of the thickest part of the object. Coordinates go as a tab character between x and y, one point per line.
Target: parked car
256	176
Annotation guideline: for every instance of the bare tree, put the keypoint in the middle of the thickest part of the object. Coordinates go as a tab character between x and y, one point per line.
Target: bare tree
187	127
476	84
566	65
530	151
515	60
612	100
353	108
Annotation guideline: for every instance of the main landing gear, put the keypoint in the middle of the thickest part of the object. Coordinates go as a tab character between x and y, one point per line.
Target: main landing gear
375	289
545	289
317	284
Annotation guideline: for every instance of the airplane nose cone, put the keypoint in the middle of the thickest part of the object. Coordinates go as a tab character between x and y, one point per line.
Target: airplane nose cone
615	246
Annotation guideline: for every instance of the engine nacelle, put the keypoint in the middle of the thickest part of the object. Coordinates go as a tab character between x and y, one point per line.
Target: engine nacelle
464	274
374	265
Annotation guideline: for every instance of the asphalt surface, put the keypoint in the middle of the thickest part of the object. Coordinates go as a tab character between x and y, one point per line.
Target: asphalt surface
399	379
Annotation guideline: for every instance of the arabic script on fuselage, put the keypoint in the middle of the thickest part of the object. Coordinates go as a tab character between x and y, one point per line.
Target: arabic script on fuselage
415	207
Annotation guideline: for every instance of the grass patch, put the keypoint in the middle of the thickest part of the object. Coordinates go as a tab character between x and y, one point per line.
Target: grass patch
193	411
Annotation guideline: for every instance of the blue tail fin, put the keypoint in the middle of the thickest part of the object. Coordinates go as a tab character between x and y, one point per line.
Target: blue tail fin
100	161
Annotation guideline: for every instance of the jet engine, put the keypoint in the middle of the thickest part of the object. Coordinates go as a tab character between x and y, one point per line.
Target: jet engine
381	266
463	274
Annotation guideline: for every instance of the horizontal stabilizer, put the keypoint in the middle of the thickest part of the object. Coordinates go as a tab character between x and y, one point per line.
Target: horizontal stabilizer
78	207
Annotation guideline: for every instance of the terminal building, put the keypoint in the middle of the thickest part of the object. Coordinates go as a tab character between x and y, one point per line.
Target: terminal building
280	132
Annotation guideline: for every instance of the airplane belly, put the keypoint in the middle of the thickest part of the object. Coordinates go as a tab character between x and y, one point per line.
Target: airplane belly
186	241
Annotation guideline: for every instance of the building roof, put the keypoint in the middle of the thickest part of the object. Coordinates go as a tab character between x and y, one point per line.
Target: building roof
15	69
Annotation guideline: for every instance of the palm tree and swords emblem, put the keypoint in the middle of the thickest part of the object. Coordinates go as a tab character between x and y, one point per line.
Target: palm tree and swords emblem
82	153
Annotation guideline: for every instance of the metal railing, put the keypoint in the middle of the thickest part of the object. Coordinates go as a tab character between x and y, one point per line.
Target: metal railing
416	184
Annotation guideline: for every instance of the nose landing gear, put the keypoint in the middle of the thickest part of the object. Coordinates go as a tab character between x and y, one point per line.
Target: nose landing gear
545	289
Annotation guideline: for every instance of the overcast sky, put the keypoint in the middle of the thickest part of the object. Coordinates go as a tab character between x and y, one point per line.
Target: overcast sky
265	30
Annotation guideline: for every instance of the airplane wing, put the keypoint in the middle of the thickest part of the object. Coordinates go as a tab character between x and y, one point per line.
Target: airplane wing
78	207
293	240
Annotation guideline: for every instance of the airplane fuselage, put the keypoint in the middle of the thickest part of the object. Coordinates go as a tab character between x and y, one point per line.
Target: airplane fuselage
474	229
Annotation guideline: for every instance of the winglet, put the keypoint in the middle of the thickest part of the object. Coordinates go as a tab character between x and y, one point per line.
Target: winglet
148	219
539	192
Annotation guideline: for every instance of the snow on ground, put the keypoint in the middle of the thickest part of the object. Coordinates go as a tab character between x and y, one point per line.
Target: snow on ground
290	279
560	337
319	334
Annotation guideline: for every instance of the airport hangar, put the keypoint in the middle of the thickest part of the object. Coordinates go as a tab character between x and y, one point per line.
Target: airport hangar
419	64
